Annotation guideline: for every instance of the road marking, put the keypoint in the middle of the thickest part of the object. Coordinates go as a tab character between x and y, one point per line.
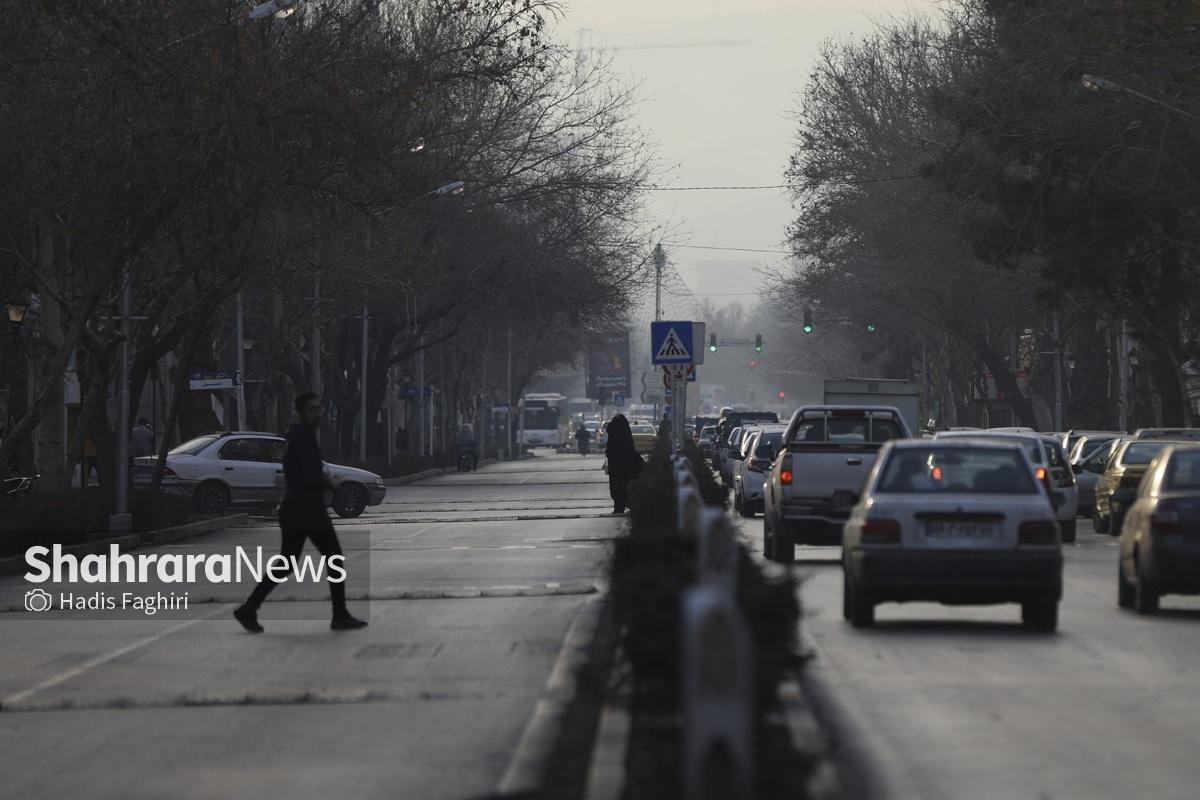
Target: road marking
101	660
418	533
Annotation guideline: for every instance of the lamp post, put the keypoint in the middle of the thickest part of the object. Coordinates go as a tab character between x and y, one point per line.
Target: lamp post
15	311
1098	83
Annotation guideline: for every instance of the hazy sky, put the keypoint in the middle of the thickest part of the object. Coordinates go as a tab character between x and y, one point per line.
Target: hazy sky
720	114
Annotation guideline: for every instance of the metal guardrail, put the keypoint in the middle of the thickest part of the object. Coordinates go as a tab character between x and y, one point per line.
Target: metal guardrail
718	660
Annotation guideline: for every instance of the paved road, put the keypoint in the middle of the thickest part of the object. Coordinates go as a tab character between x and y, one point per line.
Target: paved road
469	603
961	702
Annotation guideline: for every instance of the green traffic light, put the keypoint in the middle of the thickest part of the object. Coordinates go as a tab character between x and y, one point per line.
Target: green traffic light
871	328
808	328
712	348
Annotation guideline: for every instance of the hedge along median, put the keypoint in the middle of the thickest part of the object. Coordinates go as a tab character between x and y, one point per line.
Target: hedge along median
652	568
70	517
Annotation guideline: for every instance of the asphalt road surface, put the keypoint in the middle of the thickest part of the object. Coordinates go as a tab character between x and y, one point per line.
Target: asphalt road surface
475	582
961	702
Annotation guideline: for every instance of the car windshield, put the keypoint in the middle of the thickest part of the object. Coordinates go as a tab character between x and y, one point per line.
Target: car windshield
1183	472
193	446
987	470
1138	453
772	438
845	431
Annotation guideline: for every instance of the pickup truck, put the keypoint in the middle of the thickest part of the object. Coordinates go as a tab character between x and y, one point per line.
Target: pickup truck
816	477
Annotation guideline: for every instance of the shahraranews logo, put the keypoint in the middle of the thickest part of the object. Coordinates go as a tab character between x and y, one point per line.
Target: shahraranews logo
51	564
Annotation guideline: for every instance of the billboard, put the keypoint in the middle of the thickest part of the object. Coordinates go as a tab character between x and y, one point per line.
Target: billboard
608	366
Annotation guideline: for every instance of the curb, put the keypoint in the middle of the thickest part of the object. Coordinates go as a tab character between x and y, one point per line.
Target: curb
526	769
425	474
15	564
865	767
606	773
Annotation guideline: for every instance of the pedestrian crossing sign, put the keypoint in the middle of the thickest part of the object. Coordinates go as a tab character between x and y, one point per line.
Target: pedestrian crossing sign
674	342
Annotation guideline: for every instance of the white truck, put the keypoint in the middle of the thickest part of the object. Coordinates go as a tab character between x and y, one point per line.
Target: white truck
817	474
902	395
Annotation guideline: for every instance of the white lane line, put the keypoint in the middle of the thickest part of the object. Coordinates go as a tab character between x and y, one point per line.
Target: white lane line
102	659
418	533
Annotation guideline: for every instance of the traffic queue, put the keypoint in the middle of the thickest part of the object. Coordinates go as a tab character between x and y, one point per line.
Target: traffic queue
964	516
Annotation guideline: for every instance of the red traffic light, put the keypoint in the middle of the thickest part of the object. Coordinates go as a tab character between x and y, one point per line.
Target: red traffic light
781	394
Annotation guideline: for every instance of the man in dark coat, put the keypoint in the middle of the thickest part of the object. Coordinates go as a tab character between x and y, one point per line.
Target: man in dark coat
624	462
302	515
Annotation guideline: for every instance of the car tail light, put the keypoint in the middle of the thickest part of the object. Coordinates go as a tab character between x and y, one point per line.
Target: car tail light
1165	518
1041	474
1038	532
785	471
880	531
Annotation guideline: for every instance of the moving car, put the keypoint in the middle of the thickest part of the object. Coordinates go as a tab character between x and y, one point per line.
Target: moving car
244	468
644	436
708	438
729	454
1088	471
750	471
1091	440
1051	469
826	453
1118	484
1160	540
955	521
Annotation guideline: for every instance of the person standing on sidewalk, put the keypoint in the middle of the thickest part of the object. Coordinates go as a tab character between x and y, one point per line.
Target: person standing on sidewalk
624	463
302	515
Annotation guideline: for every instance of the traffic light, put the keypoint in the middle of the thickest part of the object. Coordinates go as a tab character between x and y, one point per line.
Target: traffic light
753	363
712	343
870	327
782	394
808	326
758	343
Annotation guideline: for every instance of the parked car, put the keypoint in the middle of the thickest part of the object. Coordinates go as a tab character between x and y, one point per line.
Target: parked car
826	453
956	521
750	471
245	468
1088	471
1118	485
1050	468
729	453
1160	540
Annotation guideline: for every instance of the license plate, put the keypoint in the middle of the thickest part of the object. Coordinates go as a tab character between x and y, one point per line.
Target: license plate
956	529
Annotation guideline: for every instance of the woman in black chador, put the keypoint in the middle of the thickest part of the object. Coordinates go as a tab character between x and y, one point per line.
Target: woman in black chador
624	463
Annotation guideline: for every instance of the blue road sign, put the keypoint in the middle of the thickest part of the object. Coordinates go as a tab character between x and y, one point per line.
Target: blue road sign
671	343
618	399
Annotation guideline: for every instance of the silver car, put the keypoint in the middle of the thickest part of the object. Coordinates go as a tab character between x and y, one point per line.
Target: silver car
220	470
1051	468
750	470
956	521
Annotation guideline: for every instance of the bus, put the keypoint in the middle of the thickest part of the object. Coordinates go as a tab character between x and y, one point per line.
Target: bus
544	420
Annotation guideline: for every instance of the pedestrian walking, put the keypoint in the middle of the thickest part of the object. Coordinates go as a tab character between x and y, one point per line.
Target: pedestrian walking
302	515
583	439
624	462
141	439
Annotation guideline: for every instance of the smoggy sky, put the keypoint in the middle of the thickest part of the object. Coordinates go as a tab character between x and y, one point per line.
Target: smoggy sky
720	116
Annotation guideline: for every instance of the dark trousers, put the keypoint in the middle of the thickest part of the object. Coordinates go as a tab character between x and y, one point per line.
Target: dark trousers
618	487
297	526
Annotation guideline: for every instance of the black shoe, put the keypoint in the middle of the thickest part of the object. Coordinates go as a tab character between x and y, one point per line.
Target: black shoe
347	623
249	619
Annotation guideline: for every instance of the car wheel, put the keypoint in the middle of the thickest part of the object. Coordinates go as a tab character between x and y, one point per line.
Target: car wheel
858	606
745	508
350	500
1100	523
785	544
1145	598
1069	530
1040	615
211	497
1115	523
768	540
1125	590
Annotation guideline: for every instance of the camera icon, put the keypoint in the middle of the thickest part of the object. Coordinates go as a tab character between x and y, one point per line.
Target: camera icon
38	600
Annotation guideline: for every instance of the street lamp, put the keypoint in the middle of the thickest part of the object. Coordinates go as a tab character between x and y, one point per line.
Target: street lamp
16	312
1097	83
276	8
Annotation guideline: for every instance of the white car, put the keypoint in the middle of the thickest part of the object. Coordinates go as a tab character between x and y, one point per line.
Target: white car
759	448
244	468
1051	467
956	521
